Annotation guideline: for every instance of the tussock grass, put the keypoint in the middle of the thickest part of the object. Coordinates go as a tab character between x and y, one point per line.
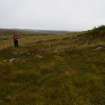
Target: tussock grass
53	70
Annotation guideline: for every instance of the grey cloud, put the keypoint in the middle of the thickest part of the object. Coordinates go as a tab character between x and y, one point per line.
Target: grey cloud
52	14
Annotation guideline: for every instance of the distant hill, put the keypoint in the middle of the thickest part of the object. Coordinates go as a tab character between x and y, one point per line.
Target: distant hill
31	31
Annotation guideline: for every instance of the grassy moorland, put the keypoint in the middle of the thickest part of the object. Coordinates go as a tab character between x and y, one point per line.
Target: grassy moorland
54	70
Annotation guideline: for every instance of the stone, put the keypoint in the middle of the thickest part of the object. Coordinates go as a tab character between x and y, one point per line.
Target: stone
99	48
12	60
39	56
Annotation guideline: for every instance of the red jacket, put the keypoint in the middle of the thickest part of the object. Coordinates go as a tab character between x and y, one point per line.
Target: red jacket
16	37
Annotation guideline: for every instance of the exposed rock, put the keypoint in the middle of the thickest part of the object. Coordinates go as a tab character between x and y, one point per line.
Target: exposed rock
100	48
39	56
12	60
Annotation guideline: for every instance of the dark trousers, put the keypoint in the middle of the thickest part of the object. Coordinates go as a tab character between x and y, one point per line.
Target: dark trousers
16	44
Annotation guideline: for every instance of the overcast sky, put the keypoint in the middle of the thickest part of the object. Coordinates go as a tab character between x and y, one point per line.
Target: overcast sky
52	14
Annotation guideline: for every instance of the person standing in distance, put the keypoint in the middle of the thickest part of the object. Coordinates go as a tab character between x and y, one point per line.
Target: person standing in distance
16	40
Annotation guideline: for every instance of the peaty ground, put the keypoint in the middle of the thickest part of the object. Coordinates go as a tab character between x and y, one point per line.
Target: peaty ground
53	70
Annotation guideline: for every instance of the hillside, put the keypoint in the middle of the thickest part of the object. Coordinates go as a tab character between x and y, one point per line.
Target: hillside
54	70
93	35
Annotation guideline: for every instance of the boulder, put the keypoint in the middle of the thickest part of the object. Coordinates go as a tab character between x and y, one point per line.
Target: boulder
12	60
